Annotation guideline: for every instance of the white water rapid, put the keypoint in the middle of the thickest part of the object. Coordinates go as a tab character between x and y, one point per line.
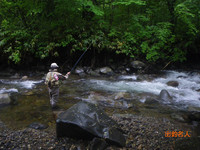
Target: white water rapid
187	93
9	86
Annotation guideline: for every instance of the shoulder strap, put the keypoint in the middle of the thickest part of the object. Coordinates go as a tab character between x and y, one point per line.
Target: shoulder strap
50	76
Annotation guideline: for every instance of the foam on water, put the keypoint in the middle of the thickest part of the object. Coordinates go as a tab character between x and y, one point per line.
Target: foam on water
22	84
132	77
185	93
127	86
8	90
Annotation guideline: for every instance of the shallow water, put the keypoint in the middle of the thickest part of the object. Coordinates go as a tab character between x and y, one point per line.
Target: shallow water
32	100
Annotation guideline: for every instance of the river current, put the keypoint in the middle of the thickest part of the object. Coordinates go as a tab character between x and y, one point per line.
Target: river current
33	99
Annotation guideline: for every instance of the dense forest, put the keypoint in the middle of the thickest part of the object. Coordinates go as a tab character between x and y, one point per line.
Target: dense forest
41	31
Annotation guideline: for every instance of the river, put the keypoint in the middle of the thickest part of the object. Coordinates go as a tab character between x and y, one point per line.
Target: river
127	93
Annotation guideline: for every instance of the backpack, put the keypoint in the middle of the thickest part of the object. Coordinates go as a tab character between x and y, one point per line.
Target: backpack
52	79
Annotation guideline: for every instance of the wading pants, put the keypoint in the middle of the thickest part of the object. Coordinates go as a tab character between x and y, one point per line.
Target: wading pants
54	95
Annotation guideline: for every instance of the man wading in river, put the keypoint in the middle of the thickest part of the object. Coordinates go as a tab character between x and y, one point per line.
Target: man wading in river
53	82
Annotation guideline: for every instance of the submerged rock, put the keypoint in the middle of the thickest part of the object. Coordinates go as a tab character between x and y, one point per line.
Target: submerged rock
86	121
37	126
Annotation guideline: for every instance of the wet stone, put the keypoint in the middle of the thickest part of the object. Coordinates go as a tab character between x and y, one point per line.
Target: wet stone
37	126
173	83
24	78
165	96
5	99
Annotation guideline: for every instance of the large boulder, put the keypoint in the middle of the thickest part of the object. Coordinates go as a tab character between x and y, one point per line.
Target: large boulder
164	96
5	99
86	121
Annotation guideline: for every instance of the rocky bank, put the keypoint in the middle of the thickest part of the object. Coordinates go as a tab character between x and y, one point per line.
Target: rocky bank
141	132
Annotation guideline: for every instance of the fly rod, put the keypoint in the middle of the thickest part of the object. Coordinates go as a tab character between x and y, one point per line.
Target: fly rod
80	58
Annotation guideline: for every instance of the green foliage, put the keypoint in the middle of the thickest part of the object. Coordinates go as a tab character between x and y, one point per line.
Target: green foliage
129	2
150	30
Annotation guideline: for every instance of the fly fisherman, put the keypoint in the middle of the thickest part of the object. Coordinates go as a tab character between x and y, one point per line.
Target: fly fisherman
52	80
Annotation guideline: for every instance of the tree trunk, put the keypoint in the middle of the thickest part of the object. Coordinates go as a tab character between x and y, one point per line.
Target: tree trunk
171	6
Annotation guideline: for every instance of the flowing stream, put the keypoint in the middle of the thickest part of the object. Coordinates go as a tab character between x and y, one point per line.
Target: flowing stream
124	92
186	93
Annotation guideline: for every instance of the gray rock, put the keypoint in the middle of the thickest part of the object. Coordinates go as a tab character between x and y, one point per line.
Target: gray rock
94	72
143	77
165	96
79	70
37	126
178	117
106	71
173	83
137	64
5	99
122	103
122	95
86	121
24	78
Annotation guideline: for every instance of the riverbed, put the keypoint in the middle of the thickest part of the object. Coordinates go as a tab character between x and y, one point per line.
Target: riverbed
120	95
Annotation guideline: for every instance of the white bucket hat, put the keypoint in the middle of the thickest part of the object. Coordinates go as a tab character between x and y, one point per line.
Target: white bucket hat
54	65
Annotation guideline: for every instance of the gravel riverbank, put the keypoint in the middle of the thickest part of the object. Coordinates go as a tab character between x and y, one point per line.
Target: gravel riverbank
142	133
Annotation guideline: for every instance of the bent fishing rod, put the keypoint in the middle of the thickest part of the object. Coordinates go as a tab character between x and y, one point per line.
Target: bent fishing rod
80	58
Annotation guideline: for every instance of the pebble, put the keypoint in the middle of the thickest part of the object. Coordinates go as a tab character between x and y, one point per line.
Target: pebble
141	133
